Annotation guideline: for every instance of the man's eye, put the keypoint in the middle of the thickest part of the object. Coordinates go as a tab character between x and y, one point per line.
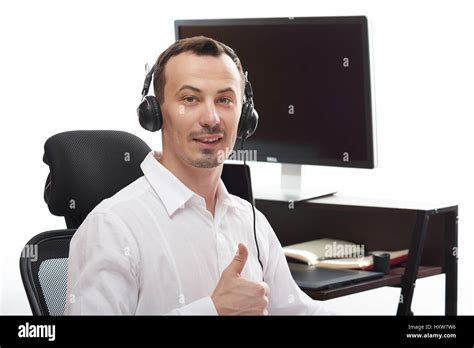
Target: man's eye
225	100
189	99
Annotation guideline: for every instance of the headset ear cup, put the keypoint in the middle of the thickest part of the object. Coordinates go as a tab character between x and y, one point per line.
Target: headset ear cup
248	121
252	122
156	111
149	114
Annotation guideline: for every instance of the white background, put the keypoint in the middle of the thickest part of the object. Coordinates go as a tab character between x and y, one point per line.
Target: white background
68	65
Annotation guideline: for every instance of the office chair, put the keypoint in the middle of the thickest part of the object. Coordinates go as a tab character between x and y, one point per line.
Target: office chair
86	167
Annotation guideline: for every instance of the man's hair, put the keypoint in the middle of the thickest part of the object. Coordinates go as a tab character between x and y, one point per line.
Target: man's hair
199	45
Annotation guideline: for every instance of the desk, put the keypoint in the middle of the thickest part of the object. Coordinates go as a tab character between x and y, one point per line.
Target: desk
428	230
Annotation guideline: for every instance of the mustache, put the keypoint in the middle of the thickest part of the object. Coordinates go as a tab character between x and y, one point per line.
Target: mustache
207	131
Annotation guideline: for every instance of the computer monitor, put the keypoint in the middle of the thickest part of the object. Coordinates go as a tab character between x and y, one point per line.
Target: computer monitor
311	80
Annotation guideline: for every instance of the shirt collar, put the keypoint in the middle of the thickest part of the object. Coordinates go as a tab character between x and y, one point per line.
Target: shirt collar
172	192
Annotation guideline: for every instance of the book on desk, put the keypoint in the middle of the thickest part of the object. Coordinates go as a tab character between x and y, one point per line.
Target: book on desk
338	254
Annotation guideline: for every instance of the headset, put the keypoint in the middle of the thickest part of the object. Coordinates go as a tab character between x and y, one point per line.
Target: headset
151	119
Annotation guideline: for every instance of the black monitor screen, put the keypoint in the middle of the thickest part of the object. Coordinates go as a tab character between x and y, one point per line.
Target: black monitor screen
311	84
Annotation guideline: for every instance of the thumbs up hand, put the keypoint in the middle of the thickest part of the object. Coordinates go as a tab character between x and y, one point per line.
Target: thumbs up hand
238	263
235	295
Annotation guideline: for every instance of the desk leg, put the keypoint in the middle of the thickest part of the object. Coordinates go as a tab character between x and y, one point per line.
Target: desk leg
413	263
451	263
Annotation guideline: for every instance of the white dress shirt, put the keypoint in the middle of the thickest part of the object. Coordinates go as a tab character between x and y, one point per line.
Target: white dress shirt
154	248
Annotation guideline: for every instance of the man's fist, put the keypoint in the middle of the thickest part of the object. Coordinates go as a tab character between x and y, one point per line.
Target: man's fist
235	295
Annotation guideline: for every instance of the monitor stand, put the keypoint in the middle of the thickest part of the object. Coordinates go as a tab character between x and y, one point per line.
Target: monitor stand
290	189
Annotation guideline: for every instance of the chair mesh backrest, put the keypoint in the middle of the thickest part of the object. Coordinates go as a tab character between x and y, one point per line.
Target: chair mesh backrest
45	275
53	282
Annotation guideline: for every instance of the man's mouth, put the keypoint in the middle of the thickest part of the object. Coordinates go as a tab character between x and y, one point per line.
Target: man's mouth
209	139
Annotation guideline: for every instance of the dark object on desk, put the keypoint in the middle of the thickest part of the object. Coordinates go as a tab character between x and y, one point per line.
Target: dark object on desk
381	262
233	176
312	277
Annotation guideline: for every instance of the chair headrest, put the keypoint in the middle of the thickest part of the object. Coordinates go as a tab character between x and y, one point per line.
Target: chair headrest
88	166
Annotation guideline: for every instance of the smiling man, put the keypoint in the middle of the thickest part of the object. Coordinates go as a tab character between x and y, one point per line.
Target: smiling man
175	241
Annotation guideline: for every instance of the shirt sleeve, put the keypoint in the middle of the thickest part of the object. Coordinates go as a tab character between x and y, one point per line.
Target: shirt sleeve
103	271
285	296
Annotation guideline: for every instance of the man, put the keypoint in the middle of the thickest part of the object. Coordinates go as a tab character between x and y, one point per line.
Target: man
175	241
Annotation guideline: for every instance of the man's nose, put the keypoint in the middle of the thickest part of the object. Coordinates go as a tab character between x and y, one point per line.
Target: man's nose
209	116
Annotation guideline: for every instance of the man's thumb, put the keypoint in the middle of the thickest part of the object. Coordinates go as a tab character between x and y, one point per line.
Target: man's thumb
238	263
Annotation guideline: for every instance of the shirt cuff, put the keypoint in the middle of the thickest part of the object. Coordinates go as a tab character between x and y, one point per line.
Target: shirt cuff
203	306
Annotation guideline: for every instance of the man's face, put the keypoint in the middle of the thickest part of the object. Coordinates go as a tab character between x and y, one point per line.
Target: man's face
201	109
